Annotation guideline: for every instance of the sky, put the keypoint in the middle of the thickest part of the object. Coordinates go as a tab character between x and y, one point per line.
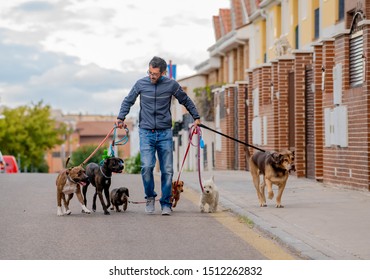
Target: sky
83	56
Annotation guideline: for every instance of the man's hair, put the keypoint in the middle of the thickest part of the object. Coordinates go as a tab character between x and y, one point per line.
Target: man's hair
158	62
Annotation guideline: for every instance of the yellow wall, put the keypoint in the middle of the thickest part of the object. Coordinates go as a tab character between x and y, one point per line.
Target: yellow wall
261	43
329	9
293	21
276	12
306	25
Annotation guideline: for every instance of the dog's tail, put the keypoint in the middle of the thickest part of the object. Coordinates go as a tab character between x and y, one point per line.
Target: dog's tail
247	157
67	161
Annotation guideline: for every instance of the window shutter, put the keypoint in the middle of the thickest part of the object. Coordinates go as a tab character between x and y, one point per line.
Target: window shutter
356	46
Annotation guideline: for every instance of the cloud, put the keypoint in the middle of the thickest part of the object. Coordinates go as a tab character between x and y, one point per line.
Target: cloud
84	55
29	74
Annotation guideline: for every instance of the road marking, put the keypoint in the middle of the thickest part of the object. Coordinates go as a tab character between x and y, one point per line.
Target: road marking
268	247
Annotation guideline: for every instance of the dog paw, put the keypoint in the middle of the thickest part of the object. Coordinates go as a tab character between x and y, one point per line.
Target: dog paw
279	206
60	212
271	195
106	213
68	212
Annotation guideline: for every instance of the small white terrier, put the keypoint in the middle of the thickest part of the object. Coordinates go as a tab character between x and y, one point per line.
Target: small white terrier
209	196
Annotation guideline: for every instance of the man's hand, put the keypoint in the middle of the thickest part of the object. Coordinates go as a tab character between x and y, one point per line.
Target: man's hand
196	122
120	123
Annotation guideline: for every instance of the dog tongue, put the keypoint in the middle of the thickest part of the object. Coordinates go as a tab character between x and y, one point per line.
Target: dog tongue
82	183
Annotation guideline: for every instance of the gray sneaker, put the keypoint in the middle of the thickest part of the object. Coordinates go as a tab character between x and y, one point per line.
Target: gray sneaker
150	208
166	211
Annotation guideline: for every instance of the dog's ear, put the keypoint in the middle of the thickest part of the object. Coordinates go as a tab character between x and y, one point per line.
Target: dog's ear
68	170
126	192
276	157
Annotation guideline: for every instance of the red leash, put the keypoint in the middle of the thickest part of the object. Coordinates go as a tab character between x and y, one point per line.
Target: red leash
193	130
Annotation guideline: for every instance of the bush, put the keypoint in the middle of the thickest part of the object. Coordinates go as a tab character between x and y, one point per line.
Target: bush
83	152
133	164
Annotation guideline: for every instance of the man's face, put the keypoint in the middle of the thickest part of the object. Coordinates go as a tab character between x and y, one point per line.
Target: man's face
154	74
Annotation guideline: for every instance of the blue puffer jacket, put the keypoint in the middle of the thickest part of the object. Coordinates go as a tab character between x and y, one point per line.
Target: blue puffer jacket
155	102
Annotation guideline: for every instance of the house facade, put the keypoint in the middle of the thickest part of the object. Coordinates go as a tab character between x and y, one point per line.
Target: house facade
86	130
294	75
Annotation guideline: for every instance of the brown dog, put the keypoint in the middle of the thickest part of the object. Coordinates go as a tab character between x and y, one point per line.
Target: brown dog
177	188
275	168
69	181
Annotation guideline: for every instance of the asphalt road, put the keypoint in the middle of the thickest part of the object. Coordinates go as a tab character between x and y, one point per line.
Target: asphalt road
31	230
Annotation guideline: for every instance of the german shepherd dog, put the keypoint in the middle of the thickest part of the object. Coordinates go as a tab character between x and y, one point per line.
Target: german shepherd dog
275	168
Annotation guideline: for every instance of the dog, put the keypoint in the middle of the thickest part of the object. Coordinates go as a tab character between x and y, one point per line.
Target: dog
209	196
177	188
119	197
68	182
100	177
275	168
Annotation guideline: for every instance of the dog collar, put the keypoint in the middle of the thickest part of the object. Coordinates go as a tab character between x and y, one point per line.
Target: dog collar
101	170
71	180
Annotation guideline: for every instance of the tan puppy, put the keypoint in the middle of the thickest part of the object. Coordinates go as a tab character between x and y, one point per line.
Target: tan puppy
177	188
275	168
209	196
69	181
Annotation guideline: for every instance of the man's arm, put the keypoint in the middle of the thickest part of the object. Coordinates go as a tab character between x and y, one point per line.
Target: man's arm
126	105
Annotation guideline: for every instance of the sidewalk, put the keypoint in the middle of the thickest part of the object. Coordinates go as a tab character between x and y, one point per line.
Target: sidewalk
319	222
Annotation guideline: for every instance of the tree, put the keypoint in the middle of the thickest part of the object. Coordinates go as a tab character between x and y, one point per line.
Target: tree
28	132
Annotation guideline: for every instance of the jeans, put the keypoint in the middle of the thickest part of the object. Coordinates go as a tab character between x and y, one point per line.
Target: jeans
160	141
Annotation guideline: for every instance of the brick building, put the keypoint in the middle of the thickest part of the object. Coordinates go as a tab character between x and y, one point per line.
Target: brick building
296	76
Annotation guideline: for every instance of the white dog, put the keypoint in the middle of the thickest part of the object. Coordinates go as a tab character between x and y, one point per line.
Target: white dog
209	196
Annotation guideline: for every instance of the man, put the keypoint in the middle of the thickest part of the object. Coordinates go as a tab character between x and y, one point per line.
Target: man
155	123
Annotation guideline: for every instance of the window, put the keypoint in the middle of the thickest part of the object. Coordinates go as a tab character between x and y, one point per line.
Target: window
317	23
340	10
296	31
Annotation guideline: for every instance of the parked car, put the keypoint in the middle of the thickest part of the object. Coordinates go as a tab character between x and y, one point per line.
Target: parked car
11	165
2	163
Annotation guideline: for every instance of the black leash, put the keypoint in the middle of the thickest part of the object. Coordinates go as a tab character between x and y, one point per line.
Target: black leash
227	136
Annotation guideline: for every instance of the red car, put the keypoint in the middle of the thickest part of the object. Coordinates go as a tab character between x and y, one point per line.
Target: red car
2	163
11	165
